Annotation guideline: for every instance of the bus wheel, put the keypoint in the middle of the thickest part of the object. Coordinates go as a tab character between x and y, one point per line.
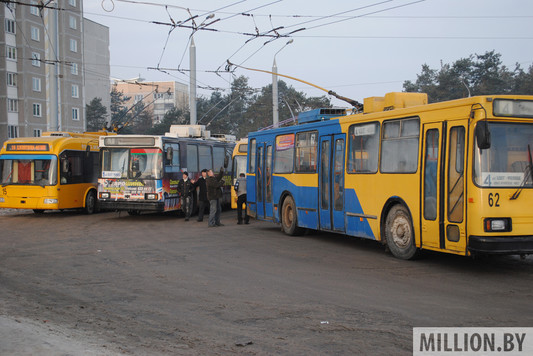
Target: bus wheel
399	233
90	203
289	218
38	211
134	212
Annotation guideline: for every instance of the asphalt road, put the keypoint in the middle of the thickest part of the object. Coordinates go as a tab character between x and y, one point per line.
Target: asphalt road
110	284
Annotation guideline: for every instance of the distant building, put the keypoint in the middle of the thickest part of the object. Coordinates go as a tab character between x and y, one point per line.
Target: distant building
43	73
96	60
159	96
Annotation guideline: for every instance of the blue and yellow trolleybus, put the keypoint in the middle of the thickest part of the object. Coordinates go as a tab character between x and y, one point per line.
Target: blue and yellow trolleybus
454	176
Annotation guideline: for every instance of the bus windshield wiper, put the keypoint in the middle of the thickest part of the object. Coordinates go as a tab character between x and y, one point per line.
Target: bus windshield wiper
528	172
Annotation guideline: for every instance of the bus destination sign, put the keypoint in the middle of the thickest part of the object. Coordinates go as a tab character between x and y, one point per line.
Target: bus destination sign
27	147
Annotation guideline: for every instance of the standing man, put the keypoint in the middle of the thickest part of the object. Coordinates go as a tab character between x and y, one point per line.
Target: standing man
185	189
203	202
214	193
240	188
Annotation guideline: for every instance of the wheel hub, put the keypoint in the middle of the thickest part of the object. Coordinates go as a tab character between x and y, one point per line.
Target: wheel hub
401	232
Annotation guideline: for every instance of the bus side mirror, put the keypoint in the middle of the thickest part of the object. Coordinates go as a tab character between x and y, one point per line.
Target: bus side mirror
482	135
170	154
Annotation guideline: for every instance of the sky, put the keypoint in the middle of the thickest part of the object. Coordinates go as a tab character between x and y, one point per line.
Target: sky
358	48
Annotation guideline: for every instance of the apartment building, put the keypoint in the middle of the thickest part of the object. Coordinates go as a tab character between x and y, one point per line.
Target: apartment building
43	69
158	96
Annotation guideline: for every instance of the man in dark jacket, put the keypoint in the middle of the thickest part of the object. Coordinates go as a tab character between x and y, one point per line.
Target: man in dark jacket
240	189
185	190
214	194
203	202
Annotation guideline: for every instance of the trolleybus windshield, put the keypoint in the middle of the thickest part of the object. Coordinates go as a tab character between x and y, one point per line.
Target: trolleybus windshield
28	169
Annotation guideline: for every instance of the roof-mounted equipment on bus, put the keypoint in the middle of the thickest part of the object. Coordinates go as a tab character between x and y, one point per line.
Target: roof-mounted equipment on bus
320	115
195	131
393	101
57	134
224	137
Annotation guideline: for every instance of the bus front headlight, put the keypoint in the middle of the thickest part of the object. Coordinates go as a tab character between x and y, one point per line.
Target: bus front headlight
2	200
498	225
150	196
50	201
105	195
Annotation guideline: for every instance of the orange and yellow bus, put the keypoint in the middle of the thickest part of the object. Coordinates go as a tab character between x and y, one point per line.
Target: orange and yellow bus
454	176
240	153
56	171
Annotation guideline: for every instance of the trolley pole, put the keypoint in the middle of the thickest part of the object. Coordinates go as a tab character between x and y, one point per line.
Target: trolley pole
192	84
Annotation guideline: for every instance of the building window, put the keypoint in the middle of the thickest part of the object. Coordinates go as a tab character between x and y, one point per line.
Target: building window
159	95
35	59
75	91
37	132
75	114
35	34
11	79
34	9
10	26
138	97
73	45
37	110
36	84
74	68
12	105
12	131
72	2
11	52
73	23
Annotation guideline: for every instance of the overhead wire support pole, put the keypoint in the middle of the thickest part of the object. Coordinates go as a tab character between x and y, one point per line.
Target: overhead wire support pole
192	89
352	102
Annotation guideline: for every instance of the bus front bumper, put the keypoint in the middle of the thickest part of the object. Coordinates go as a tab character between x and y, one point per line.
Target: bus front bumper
509	245
130	205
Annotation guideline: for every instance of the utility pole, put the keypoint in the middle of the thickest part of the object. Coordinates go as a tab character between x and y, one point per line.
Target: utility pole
275	111
192	84
275	108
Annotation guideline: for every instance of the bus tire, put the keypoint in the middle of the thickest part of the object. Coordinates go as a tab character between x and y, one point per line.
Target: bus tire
38	211
90	203
399	233
289	218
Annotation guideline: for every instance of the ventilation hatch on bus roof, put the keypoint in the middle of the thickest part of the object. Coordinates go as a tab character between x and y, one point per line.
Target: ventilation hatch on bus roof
320	115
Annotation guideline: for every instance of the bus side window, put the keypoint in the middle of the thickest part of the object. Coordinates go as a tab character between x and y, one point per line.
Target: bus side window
72	167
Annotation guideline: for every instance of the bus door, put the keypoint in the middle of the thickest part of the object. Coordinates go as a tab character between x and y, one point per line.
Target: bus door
259	180
431	212
455	229
331	183
267	184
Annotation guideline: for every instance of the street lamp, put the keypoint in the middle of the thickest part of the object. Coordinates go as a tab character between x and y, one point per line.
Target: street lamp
275	111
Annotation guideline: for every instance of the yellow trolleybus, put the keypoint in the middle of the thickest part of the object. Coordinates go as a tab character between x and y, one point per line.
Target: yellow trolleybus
240	153
56	171
454	176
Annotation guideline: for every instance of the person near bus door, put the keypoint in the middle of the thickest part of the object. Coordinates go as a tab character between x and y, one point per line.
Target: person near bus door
214	193
240	188
203	202
185	190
